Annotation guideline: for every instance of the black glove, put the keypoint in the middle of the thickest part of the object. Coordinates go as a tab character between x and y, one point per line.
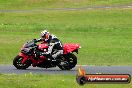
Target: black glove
37	40
34	40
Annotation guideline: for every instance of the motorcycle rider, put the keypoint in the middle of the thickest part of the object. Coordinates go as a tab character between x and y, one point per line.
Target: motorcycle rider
53	43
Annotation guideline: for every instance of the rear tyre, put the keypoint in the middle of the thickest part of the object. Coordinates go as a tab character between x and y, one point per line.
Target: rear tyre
70	61
17	63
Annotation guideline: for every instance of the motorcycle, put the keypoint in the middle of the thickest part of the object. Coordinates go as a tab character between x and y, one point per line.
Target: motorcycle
31	54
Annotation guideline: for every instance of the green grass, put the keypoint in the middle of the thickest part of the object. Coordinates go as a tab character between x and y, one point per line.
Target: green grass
49	81
105	35
37	4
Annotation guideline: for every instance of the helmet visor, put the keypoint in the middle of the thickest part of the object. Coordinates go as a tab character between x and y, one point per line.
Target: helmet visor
45	36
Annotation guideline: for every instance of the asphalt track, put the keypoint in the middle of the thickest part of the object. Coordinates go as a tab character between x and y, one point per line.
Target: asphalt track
69	9
10	69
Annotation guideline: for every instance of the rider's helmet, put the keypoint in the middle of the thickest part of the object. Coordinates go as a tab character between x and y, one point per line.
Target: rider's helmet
45	35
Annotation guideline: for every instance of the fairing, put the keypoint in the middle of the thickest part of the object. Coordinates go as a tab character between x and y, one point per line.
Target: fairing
42	46
70	47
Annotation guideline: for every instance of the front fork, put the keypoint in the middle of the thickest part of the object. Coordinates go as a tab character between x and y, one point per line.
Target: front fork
26	57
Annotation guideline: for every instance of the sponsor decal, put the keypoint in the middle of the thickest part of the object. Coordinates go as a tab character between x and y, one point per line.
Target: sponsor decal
83	78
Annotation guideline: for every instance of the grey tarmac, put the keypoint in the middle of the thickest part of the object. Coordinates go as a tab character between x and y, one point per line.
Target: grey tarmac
10	69
69	9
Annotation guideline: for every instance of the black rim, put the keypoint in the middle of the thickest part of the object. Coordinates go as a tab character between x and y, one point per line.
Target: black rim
71	62
68	63
18	62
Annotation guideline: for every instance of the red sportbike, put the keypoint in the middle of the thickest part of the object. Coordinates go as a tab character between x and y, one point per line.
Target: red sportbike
31	54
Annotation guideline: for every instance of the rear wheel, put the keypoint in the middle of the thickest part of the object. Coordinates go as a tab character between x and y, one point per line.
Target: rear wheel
17	63
68	62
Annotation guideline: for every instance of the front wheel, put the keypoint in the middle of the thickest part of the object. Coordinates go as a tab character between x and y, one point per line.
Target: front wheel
17	63
68	62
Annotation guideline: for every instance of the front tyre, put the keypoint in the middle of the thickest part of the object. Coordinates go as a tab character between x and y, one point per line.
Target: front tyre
69	61
17	63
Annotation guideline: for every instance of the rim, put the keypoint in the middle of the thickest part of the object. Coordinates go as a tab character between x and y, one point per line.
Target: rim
71	62
68	63
18	62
